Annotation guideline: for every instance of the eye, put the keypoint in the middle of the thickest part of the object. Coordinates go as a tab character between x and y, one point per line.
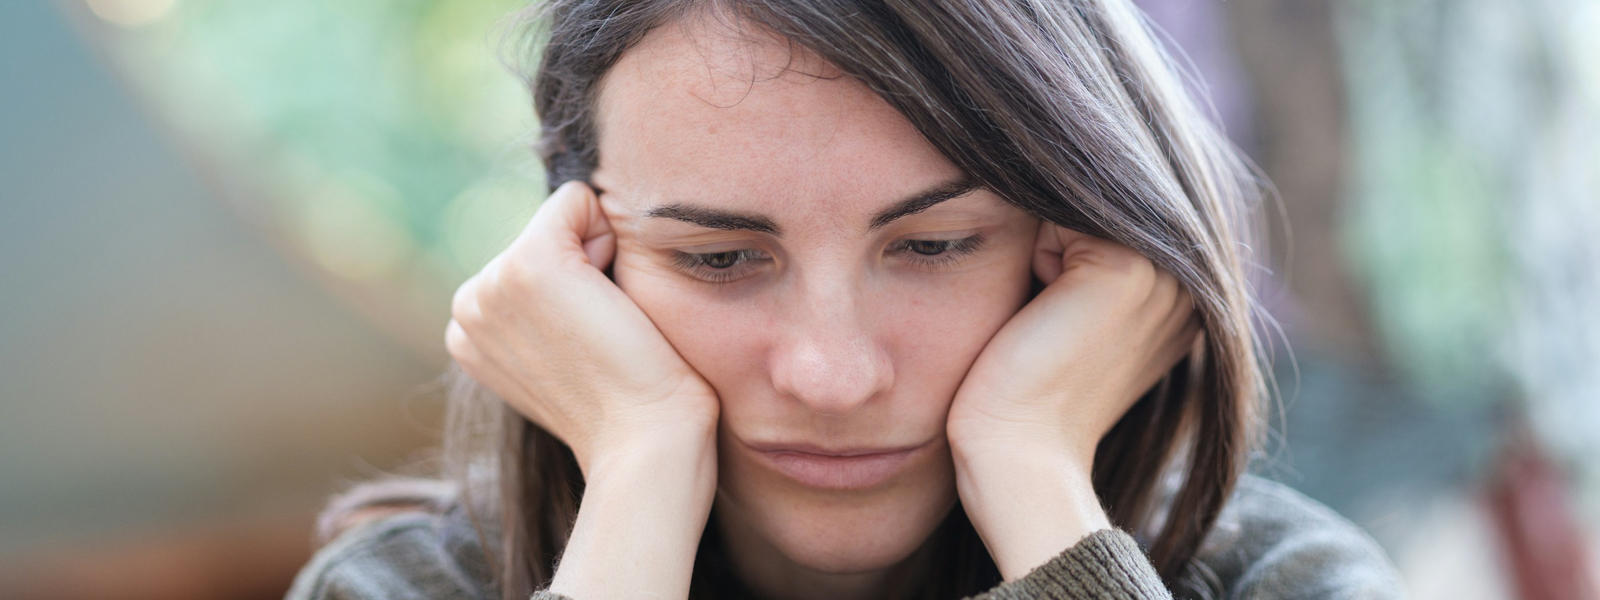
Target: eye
938	252
929	247
718	267
720	260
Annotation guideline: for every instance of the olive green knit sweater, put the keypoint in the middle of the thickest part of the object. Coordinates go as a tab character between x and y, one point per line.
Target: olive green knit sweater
1269	543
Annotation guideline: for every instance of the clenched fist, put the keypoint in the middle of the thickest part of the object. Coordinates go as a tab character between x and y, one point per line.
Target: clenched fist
545	328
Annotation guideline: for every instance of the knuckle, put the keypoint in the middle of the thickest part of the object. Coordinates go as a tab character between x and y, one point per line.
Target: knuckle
1184	300
1136	280
459	345
1145	272
511	286
464	304
521	279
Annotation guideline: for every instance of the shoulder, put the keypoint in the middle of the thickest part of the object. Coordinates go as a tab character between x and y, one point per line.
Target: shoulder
1273	542
414	555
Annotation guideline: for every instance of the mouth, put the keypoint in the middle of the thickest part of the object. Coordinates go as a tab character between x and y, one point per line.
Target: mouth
841	469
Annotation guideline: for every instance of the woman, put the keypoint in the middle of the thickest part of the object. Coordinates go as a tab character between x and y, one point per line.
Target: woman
853	299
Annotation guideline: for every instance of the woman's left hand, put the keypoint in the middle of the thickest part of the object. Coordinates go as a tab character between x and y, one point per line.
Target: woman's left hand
1048	386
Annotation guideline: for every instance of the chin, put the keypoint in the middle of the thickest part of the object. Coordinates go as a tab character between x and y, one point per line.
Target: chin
854	543
854	532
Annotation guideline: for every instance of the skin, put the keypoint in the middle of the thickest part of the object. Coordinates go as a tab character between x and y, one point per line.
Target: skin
827	329
838	335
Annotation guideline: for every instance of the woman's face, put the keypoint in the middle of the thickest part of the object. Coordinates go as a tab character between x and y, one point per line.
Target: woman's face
825	269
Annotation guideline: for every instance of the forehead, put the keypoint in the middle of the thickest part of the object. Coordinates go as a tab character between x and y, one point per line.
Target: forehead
698	112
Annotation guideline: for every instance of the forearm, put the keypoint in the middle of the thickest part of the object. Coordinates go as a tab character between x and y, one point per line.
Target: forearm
1027	502
640	521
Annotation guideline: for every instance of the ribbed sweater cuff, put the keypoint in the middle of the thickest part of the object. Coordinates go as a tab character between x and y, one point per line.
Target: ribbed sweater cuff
1104	565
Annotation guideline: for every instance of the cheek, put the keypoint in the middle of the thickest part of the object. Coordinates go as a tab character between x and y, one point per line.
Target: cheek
932	326
716	335
940	325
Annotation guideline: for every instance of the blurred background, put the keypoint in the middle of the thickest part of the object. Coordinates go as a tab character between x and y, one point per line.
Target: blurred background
229	232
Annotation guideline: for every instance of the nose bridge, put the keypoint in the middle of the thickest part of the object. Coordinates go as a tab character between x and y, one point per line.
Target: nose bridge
831	360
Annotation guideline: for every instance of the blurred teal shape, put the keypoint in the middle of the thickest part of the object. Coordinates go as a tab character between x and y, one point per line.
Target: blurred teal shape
384	143
1476	211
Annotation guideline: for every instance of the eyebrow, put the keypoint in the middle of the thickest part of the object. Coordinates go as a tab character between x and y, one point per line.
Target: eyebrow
922	201
716	219
743	221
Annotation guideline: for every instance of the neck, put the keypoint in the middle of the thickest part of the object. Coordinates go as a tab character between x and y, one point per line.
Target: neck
771	575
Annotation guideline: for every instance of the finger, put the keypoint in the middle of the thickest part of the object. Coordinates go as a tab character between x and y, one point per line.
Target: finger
1182	300
1178	316
461	348
1176	348
1186	342
1086	258
1183	323
1167	296
464	304
571	220
1051	244
477	366
599	239
1047	250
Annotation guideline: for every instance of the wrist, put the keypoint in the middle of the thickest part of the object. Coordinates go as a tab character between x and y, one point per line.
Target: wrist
660	435
1028	501
992	446
668	460
644	508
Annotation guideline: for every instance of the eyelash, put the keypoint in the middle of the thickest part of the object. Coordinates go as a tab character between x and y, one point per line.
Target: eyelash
953	250
695	264
949	253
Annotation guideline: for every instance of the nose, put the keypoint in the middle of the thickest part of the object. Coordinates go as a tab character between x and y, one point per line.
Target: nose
829	360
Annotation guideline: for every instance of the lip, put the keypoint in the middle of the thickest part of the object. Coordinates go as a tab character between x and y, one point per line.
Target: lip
841	469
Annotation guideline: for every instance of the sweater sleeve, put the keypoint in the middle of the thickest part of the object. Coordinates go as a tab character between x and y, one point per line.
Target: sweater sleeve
1272	542
1104	565
405	557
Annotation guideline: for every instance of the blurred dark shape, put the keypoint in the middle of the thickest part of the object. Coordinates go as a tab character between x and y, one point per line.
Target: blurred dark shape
252	560
1291	53
178	395
1541	537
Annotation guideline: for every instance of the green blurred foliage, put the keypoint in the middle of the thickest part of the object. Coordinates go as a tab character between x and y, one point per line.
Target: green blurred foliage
381	139
386	143
1475	218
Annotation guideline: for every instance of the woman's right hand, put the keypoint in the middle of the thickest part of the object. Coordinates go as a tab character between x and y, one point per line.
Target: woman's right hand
544	327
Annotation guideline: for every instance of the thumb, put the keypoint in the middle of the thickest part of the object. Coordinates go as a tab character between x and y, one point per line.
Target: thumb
571	219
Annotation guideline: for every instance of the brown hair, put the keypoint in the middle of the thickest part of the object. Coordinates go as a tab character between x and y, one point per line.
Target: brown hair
1069	110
